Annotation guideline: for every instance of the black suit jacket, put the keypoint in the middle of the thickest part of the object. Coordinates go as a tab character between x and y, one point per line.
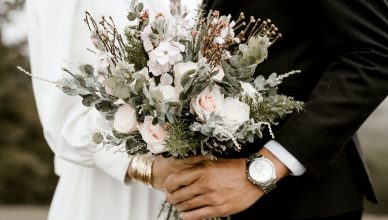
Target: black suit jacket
342	48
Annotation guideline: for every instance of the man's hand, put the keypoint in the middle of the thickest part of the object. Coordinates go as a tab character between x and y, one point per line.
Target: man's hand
216	188
163	167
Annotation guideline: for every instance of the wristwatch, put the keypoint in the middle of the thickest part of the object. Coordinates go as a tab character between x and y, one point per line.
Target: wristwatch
261	172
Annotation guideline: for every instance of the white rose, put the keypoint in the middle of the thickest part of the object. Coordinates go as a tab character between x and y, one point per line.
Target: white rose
164	93
207	102
153	135
125	119
179	70
234	113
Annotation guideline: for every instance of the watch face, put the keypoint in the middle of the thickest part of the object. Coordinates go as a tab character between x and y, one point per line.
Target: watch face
261	170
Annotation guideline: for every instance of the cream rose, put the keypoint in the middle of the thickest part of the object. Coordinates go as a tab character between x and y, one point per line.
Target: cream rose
164	93
234	113
125	119
153	135
207	102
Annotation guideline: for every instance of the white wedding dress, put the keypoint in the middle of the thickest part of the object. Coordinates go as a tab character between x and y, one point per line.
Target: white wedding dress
92	182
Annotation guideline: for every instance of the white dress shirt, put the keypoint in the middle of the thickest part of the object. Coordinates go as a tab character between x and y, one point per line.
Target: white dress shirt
295	167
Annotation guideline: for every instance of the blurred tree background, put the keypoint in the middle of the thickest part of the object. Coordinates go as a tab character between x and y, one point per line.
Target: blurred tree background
373	136
26	166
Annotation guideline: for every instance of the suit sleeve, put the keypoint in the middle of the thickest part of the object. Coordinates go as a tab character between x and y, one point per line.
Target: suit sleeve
352	86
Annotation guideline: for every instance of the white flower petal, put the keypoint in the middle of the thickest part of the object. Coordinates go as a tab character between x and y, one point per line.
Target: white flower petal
163	60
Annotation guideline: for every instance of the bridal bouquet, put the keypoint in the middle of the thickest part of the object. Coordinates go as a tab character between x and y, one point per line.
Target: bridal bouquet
177	87
180	89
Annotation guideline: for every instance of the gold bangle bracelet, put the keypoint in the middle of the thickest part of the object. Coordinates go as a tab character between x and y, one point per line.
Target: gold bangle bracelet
140	169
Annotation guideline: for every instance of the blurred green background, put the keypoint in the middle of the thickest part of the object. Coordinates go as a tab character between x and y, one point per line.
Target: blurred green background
26	167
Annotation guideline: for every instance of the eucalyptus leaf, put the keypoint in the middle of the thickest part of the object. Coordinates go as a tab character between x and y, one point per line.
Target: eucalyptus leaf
88	100
139	7
80	79
133	4
119	87
170	117
187	77
110	82
213	73
222	84
120	135
88	69
104	106
132	16
97	137
139	84
72	87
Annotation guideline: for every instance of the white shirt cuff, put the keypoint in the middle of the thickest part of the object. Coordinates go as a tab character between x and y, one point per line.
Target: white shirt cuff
295	167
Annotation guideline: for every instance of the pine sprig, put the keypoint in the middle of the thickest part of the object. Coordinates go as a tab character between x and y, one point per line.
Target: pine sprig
134	50
270	109
181	141
200	13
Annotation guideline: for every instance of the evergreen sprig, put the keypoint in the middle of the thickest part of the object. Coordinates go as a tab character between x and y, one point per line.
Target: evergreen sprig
271	108
181	141
134	50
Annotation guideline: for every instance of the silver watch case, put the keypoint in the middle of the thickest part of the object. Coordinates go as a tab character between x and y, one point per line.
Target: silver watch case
261	172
